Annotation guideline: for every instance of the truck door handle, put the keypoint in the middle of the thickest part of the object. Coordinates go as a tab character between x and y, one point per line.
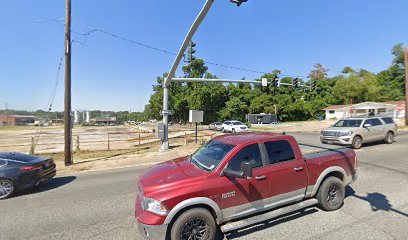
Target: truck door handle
298	169
260	177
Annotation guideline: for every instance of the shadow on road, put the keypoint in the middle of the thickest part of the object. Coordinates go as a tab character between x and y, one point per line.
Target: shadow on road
49	185
377	201
267	224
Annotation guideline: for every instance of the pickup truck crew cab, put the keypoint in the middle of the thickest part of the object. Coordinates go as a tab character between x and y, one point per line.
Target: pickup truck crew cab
234	177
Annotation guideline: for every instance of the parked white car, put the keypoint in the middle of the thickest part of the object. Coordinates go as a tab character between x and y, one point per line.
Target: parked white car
234	127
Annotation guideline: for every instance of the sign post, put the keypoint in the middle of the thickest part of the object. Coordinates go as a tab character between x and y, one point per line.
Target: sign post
196	117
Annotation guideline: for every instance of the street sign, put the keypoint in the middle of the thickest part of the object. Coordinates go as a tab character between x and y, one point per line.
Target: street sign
400	107
196	116
264	82
166	112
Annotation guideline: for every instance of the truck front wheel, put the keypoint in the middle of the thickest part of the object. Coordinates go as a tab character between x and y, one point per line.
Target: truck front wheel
357	142
331	194
196	223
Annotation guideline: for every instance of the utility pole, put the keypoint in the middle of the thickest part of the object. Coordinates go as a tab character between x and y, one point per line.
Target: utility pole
67	100
406	86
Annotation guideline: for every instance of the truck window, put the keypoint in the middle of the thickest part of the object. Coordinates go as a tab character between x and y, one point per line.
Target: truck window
279	151
2	162
250	154
373	122
388	120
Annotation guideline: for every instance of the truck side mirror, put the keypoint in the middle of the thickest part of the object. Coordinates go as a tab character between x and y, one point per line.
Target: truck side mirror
231	173
246	169
367	125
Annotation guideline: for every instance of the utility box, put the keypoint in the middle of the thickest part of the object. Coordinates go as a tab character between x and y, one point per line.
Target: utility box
160	131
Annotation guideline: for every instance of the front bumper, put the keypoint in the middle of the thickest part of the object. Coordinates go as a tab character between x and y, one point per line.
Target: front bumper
152	232
241	130
345	140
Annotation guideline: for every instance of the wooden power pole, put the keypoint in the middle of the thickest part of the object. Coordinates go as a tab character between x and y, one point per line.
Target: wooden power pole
406	86
67	99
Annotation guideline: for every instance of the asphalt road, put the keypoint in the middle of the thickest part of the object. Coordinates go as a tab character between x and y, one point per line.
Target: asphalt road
100	205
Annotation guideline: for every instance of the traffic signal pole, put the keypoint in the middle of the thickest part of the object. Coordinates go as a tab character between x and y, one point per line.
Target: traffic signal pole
167	81
406	86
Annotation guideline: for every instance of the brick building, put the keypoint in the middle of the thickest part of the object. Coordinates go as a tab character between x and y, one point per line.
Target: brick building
16	120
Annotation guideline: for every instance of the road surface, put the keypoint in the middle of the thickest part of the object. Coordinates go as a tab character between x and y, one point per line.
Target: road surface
100	205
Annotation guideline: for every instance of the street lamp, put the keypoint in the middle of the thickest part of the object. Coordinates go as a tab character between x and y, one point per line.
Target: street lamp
167	81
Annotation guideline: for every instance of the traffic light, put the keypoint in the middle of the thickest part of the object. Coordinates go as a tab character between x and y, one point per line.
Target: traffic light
295	84
313	85
238	2
191	51
275	82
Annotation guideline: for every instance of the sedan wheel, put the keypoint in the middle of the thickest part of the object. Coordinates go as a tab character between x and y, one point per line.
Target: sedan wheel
6	188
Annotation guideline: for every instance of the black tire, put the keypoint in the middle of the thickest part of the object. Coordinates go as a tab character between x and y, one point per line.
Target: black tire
7	188
196	222
223	130
233	130
331	194
389	137
357	142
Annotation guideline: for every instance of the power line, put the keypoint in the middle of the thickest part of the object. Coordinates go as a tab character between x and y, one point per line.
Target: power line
96	30
39	21
92	30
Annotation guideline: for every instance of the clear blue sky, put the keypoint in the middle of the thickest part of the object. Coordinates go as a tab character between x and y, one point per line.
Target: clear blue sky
110	74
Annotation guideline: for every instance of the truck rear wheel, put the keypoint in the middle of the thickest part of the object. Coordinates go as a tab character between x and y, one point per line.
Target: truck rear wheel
196	223
389	138
331	194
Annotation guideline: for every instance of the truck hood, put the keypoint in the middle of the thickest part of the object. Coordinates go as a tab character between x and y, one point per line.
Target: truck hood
170	175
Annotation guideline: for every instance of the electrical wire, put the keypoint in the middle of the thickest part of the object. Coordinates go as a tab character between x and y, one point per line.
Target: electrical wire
92	30
42	21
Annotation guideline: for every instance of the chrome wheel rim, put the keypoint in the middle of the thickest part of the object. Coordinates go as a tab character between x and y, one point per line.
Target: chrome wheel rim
357	142
194	229
334	195
390	137
6	188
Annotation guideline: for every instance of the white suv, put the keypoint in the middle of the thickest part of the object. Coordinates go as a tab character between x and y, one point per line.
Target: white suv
234	127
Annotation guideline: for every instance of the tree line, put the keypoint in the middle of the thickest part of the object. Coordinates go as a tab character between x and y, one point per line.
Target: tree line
234	101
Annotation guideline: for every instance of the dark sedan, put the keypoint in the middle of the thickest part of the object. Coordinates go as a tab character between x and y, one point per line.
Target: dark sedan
21	171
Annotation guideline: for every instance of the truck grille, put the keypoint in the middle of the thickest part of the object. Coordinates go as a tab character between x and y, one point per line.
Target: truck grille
330	134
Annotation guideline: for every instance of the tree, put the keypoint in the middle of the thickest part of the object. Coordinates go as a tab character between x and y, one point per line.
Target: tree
318	73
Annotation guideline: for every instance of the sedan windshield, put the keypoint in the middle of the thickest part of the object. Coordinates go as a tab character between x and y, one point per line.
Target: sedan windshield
238	123
348	123
209	156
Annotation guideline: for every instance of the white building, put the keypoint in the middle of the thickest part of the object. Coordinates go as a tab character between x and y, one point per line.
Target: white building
391	109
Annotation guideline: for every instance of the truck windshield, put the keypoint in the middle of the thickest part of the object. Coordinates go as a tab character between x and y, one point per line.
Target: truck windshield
209	156
348	123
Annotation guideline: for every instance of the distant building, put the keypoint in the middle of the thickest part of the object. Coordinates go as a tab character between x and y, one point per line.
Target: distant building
105	121
365	109
17	120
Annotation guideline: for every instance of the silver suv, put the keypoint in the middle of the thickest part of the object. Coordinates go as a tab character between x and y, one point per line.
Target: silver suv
356	131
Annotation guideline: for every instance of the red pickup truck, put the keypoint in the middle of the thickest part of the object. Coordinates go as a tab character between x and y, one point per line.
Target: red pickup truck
237	180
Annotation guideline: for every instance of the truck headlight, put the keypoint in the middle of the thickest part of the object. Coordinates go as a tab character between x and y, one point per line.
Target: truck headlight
154	206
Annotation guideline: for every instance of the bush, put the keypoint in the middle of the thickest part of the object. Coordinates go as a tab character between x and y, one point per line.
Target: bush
248	124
